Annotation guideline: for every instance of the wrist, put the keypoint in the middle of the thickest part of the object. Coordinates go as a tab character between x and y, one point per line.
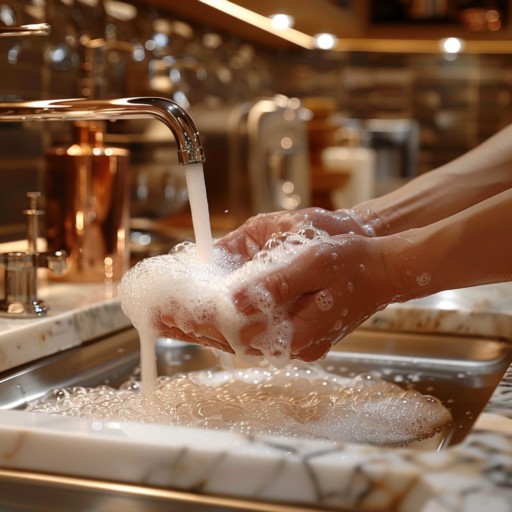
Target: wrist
368	220
382	214
409	275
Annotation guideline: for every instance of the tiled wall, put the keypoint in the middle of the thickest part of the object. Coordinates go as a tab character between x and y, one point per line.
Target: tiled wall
458	103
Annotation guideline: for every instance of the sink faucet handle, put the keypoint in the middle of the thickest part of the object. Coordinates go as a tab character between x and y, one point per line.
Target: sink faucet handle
56	262
20	298
32	221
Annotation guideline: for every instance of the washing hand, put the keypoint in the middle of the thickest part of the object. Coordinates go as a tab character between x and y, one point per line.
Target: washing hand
323	288
250	238
325	293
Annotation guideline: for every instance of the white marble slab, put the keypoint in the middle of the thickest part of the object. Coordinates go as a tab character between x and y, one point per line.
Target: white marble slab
481	311
469	477
305	472
79	313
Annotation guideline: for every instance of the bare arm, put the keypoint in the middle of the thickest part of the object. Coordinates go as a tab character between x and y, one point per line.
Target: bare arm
470	248
478	175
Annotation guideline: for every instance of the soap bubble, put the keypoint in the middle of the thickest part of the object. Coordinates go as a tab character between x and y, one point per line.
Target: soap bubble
299	400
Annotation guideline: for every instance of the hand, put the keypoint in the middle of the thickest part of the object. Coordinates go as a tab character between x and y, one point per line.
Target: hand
249	239
325	293
246	242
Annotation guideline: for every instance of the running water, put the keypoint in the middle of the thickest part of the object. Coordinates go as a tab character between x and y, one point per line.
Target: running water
204	255
200	218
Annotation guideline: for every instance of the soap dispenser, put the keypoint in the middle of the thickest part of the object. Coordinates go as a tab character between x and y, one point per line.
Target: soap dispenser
87	195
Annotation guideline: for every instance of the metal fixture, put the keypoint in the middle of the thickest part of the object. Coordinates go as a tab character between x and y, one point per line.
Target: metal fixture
40	29
264	144
87	202
437	361
190	150
21	271
86	189
92	82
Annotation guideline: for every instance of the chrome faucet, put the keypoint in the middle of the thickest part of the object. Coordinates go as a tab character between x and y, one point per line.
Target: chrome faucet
40	29
20	300
190	150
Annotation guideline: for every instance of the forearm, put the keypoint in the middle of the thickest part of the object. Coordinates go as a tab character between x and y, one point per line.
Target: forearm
470	248
474	177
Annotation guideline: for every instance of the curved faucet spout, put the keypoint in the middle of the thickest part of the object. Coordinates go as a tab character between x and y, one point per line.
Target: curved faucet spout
190	150
39	29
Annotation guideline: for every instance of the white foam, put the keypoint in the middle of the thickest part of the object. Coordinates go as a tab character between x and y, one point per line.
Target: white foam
424	279
192	293
199	207
298	400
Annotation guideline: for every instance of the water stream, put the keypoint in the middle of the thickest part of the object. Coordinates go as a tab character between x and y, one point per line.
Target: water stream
203	235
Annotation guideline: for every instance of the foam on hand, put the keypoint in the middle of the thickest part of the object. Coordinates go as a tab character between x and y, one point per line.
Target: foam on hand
298	400
178	286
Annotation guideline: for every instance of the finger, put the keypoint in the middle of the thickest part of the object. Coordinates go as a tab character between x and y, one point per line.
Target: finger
177	334
208	330
249	238
310	272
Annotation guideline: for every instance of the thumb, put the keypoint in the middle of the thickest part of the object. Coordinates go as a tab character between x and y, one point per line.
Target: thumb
310	272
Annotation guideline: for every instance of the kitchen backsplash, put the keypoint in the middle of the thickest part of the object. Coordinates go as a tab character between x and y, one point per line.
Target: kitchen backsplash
458	103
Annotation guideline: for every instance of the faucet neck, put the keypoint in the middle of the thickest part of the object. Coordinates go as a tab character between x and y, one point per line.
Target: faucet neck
177	119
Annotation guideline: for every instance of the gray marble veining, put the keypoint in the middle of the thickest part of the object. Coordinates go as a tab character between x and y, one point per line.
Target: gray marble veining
473	476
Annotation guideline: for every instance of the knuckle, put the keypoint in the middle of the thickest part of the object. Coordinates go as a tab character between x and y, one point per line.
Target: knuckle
280	287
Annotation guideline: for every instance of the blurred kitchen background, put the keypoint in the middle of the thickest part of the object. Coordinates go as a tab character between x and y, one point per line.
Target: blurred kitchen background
329	105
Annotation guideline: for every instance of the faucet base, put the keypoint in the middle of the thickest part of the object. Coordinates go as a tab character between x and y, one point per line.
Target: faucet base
34	309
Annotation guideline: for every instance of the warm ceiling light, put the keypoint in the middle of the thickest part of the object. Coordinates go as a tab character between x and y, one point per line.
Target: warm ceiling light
262	22
325	41
494	25
282	21
492	15
452	45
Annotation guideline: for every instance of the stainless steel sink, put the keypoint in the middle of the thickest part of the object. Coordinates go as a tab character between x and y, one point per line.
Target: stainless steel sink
462	372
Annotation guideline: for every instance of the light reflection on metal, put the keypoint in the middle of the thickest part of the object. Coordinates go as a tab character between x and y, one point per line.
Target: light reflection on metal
190	150
282	21
262	22
325	41
40	29
138	494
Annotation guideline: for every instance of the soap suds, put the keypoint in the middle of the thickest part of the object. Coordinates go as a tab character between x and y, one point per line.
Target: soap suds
182	291
300	400
424	279
324	300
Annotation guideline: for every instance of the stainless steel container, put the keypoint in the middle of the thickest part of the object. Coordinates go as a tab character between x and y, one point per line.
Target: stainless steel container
257	158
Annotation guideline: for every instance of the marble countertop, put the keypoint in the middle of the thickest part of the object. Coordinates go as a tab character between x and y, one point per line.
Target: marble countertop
79	312
472	476
480	311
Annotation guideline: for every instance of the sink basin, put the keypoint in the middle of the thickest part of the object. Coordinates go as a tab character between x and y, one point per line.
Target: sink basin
461	371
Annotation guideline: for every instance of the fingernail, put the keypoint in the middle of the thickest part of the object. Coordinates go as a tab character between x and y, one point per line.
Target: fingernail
244	304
